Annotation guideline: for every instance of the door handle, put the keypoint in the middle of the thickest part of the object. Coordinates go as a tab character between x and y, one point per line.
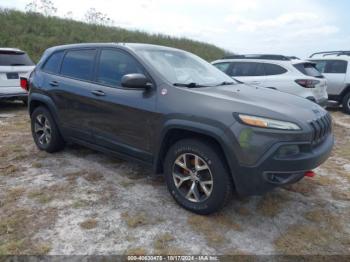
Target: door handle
53	83
98	93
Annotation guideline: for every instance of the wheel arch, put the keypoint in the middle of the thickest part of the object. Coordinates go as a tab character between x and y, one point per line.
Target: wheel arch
36	100
345	91
179	130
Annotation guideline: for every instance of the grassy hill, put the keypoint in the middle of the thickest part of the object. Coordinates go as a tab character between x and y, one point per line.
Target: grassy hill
34	33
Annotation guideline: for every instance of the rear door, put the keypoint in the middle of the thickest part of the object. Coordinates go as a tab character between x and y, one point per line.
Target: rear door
71	87
248	72
13	65
275	77
335	73
122	119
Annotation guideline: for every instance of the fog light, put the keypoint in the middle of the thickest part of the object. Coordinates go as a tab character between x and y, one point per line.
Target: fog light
289	150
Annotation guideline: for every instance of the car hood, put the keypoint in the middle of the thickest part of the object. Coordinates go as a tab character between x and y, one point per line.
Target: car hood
265	102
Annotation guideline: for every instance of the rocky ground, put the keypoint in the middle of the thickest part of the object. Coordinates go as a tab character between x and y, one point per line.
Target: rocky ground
83	202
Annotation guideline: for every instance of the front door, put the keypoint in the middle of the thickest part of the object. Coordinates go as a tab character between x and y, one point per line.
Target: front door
123	118
335	72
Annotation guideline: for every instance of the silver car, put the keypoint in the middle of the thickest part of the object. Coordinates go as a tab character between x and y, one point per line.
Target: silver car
334	66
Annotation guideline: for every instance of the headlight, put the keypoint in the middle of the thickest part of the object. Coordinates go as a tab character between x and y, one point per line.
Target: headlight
267	123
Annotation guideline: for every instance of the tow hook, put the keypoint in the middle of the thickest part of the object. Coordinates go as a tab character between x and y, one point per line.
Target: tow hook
310	173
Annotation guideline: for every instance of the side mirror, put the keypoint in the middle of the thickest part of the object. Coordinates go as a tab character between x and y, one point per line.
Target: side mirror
135	81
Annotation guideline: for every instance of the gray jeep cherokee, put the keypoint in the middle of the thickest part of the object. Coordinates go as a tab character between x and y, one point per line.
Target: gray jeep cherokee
173	111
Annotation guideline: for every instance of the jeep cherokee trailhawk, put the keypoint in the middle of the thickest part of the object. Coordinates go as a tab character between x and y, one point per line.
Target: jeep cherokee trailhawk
169	109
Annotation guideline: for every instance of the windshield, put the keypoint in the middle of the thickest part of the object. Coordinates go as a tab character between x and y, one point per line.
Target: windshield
179	67
10	58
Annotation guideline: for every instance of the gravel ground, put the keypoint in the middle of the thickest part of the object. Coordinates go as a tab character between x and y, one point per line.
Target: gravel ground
83	202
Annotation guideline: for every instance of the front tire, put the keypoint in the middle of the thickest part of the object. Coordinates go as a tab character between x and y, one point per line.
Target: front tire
197	177
45	132
346	103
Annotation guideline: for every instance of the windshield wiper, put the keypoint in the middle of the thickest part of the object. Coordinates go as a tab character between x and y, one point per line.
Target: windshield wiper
189	85
17	64
239	82
225	83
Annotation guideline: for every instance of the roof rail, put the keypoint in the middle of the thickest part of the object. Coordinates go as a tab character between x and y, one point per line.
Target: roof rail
326	53
294	57
260	56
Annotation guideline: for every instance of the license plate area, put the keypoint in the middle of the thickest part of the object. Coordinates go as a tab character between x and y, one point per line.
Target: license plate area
12	75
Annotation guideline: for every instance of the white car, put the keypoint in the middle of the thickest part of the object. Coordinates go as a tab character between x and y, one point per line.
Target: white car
286	74
334	65
14	64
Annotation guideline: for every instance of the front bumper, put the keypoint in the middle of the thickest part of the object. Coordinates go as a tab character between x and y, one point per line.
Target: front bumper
274	171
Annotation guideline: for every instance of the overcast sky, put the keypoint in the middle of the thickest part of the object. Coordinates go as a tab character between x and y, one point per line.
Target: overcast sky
294	27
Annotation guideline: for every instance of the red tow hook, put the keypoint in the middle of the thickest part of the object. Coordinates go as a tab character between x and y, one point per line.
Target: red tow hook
310	173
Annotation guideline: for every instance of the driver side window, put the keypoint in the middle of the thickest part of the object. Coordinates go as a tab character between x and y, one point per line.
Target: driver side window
113	65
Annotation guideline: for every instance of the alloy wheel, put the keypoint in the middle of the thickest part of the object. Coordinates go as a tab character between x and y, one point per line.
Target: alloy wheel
192	177
42	129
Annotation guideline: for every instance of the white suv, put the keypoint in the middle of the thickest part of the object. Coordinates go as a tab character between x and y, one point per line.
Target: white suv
334	66
14	64
286	74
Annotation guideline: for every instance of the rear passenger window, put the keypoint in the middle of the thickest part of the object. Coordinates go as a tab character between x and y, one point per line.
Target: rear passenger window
52	65
79	64
336	67
114	64
222	66
271	69
247	69
308	69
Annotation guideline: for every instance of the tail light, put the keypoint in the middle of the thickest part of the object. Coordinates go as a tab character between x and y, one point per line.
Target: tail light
24	83
307	83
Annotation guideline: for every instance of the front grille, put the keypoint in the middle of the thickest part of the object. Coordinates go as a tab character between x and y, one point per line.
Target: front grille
321	127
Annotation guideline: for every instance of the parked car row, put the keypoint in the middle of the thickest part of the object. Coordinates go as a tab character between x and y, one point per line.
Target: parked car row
207	133
322	77
277	72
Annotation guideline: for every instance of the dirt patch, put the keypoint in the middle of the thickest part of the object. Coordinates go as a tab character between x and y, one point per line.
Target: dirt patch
272	203
136	219
136	251
210	226
88	224
18	228
162	243
309	239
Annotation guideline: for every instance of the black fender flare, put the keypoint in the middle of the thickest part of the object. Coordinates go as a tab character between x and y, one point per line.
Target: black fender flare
220	135
48	102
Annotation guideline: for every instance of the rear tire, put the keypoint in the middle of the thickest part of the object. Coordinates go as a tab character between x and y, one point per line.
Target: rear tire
189	167
25	102
45	132
346	103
